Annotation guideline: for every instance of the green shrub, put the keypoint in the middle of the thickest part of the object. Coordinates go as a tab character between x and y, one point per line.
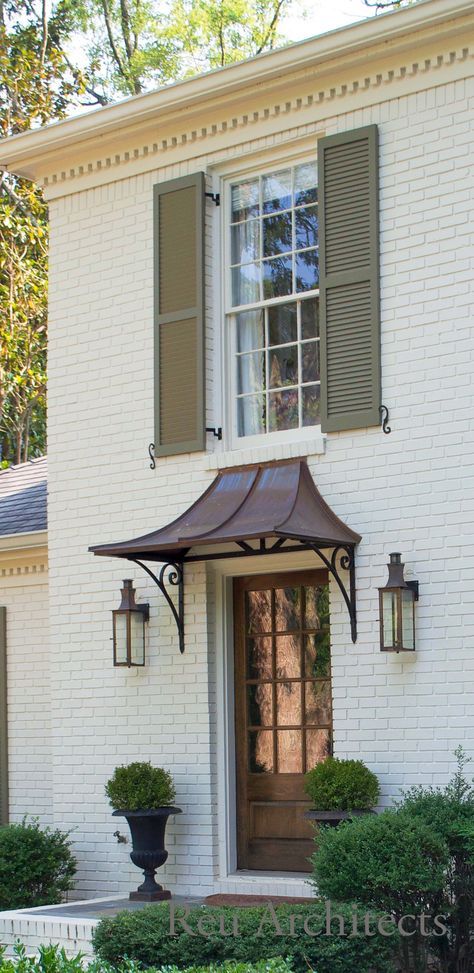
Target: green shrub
277	965
144	937
342	785
139	786
36	865
414	860
52	959
449	813
388	861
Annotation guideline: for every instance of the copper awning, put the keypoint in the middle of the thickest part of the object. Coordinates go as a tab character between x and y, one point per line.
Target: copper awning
277	500
254	510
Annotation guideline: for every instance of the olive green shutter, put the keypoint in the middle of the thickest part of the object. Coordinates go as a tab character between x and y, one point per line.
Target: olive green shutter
349	279
179	315
3	719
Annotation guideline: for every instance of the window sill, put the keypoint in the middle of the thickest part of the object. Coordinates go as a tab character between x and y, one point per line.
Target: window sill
265	454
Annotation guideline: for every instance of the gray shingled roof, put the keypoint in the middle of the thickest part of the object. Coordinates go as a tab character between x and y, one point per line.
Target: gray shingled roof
23	497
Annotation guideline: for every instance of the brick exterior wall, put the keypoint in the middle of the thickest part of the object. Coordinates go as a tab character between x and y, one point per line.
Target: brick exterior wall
409	491
24	594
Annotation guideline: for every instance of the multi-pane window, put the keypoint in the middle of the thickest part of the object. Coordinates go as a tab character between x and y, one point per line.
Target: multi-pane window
288	679
274	278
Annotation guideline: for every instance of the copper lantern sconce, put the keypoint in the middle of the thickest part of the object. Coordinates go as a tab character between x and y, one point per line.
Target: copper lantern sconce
129	622
397	609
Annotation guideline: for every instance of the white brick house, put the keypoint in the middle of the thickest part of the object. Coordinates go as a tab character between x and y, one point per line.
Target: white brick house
408	79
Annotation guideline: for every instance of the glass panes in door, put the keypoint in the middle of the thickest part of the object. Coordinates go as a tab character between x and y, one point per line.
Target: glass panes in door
287	678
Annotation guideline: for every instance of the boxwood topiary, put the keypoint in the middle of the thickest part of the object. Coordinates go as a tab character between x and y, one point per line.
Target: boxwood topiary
148	936
140	787
342	785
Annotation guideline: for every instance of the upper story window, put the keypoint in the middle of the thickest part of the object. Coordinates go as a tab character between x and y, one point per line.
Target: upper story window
273	307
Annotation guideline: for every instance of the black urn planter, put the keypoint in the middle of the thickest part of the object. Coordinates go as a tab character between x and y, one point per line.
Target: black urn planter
147	829
333	818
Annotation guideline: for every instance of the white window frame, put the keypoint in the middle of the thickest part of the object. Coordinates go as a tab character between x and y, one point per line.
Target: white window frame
231	438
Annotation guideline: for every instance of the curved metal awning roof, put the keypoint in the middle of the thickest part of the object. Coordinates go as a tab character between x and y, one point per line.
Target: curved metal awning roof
275	500
257	510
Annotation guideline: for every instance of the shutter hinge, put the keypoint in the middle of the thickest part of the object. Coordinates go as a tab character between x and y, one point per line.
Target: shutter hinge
216	198
215	432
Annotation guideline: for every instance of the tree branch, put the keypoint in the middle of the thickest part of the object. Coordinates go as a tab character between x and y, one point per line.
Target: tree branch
272	26
16	199
114	48
44	28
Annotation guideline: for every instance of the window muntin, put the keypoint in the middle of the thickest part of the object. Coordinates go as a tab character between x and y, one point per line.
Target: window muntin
274	277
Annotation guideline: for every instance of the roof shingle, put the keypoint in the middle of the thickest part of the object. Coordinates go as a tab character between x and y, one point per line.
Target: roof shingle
23	497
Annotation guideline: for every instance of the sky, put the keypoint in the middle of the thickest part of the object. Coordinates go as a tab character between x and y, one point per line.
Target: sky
324	15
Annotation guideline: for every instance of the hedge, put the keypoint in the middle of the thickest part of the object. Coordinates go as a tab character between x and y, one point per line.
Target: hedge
148	937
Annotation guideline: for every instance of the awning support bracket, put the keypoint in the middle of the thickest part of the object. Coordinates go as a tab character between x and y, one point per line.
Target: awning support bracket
175	577
342	557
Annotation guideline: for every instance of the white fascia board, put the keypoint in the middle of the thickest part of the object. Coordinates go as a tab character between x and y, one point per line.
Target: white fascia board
22	542
27	154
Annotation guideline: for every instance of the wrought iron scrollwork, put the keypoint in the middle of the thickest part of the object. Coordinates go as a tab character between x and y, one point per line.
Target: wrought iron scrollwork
151	453
175	578
342	558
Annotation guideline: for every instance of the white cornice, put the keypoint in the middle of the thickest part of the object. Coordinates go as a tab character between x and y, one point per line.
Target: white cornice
24	542
93	137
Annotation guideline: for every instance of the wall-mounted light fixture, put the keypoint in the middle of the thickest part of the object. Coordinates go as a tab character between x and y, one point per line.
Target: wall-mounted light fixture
129	622
397	609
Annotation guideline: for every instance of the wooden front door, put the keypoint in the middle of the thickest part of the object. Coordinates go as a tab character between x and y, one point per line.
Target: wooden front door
283	717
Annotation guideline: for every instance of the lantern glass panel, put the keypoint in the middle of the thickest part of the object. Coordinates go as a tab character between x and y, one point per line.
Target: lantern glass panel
120	638
137	638
408	623
389	619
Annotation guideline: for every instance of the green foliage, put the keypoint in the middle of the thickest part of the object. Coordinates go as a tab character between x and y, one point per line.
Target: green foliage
49	959
263	932
135	45
342	785
36	86
52	959
139	786
36	865
127	46
389	861
415	859
277	965
449	813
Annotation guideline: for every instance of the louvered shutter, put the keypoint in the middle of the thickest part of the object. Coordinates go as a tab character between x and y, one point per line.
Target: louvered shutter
3	719
179	315
349	279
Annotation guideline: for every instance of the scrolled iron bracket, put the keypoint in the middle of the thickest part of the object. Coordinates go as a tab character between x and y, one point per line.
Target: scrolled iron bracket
343	558
151	453
175	577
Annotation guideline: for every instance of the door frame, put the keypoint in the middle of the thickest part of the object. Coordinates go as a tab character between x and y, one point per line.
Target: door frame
220	575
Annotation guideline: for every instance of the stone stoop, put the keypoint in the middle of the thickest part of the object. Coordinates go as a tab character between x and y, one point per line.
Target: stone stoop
43	925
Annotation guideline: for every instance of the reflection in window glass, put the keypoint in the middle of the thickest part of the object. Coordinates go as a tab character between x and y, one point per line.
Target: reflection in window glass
252	371
288	656
261	752
287	609
259	657
289	752
260	705
288	685
274	255
288	698
318	746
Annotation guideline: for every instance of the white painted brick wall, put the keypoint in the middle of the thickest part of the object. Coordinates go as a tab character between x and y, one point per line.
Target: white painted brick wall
24	593
410	491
